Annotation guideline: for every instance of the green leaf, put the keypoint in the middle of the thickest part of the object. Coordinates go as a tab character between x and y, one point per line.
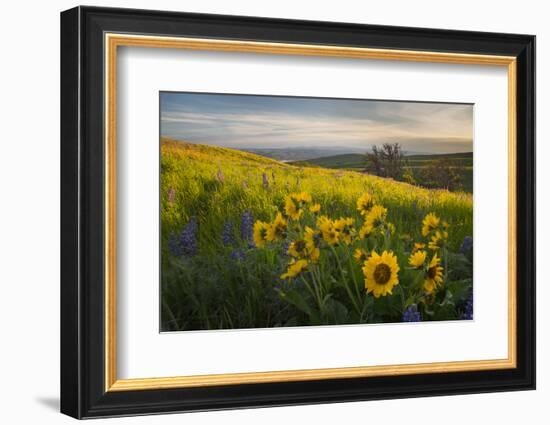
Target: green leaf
336	311
296	299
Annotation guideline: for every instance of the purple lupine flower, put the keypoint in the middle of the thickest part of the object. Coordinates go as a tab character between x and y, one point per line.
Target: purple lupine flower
228	234
247	228
174	246
469	308
284	248
467	245
188	238
237	255
265	181
411	314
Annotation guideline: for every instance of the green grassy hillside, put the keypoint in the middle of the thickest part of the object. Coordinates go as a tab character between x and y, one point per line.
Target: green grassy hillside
213	276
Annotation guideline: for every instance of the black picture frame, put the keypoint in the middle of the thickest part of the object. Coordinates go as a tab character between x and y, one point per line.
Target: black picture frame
83	392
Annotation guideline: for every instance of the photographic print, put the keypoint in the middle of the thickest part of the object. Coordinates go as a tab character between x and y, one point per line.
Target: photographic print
280	211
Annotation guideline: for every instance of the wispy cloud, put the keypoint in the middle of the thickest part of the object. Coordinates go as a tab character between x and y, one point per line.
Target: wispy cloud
269	121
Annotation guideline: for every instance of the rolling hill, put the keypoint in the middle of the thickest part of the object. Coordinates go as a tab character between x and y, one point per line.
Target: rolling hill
356	161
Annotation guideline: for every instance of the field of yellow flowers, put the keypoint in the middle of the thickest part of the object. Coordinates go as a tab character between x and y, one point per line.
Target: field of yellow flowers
251	242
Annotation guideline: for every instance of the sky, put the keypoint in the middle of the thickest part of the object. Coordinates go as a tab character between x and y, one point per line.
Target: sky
247	121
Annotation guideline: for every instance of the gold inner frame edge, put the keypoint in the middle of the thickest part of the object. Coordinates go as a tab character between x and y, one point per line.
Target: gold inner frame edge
112	41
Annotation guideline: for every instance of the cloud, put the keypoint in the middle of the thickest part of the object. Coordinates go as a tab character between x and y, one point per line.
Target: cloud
264	121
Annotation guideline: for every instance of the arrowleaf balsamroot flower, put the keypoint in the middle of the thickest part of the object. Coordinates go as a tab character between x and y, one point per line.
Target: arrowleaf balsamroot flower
295	268
434	275
417	259
303	197
360	255
298	249
303	248
260	233
381	273
429	224
375	220
312	239
365	203
291	209
278	229
315	208
294	204
418	246
329	232
344	226
437	240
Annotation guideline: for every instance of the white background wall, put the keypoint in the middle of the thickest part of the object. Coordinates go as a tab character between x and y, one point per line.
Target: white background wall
29	209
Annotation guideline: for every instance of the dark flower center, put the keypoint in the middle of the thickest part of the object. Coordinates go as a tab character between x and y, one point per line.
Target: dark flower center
300	246
432	272
382	274
280	230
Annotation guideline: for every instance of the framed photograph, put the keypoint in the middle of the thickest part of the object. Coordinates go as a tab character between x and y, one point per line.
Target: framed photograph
261	212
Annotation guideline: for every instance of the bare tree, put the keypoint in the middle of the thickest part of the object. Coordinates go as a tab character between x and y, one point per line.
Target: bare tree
386	161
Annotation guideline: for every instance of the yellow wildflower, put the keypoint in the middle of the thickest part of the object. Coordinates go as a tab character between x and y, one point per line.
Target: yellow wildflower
365	203
260	233
291	209
434	275
418	246
302	197
294	269
360	255
315	208
344	226
297	249
312	238
376	218
330	234
278	229
381	273
437	240
294	204
314	255
417	259
365	230
429	224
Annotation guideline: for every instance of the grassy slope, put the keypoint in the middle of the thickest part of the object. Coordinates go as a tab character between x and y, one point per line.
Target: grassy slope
218	184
